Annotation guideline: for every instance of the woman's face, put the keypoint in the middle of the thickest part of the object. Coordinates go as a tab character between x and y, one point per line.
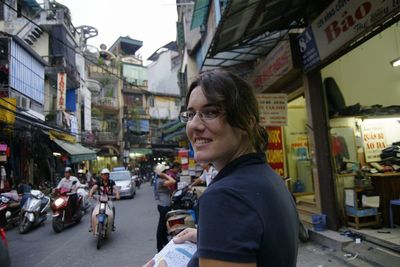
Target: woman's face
213	140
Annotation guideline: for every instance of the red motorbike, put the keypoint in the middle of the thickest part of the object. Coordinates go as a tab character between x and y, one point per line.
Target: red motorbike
62	211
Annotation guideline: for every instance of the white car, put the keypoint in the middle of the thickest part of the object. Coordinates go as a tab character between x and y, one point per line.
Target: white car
125	183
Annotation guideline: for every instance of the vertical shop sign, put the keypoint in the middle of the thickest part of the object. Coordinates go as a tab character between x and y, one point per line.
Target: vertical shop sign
61	90
275	155
273	109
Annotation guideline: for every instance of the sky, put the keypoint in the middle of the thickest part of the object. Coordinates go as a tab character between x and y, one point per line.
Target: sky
150	21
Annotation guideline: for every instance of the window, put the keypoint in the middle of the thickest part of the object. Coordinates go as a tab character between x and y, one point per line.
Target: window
151	102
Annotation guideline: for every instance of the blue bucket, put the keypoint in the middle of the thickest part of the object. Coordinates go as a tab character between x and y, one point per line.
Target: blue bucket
319	222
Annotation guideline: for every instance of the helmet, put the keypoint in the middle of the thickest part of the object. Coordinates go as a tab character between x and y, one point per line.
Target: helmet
104	171
80	171
68	169
160	168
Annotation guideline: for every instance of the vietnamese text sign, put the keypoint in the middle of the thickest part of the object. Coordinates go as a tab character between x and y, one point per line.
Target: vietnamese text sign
61	90
340	23
275	155
273	109
378	134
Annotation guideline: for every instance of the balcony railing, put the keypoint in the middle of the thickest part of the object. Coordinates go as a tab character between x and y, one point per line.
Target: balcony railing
107	102
106	137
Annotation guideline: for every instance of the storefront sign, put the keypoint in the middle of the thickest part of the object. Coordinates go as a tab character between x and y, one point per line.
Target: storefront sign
7	115
61	90
275	155
273	109
340	23
276	65
378	134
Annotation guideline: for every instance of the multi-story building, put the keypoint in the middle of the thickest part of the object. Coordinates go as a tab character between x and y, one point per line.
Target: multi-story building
165	102
136	117
43	77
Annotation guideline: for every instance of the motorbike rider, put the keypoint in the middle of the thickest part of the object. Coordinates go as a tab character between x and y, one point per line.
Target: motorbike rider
108	187
82	176
68	182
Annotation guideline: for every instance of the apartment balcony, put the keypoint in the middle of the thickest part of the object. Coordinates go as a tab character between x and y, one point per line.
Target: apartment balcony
138	140
93	85
102	71
103	138
105	103
58	63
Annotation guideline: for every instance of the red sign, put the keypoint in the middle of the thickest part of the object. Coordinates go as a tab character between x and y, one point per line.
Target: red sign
61	90
275	152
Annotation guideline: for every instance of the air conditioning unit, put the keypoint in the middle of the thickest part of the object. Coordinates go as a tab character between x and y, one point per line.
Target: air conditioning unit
23	102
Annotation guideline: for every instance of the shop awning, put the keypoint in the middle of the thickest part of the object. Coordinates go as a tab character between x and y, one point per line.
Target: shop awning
76	151
249	30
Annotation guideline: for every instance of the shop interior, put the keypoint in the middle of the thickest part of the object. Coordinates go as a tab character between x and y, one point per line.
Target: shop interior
363	93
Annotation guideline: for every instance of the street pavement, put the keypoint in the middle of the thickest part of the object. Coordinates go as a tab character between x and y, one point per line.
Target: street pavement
132	244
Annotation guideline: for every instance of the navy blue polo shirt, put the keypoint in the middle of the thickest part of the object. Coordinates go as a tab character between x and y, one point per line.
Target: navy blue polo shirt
247	215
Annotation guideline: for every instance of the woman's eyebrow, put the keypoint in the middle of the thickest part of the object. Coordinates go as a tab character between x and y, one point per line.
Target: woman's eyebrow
204	106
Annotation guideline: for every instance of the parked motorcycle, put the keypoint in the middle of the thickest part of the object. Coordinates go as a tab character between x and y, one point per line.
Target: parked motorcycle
102	218
182	214
34	211
9	209
62	213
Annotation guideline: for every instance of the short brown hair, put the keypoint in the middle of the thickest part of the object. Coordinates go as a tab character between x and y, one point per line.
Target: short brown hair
236	97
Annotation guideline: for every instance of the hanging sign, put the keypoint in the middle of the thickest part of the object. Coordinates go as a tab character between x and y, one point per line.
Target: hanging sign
273	109
61	90
275	153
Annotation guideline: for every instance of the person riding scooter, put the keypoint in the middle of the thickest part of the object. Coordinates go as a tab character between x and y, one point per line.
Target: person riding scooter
105	186
68	183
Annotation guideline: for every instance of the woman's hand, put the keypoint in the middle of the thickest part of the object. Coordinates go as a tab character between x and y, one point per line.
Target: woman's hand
189	234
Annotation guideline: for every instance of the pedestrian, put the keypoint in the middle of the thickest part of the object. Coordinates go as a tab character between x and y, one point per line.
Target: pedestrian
164	183
246	217
206	177
173	172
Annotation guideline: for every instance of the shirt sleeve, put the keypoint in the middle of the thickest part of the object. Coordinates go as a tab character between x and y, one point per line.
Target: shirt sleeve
229	228
203	176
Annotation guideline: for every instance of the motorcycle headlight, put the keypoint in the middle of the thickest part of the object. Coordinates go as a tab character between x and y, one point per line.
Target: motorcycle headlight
59	202
4	199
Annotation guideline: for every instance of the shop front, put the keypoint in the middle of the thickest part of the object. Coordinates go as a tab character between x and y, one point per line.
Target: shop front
355	66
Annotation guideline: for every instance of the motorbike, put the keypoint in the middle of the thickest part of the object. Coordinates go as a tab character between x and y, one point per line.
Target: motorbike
138	180
182	214
34	211
102	219
62	213
83	191
9	209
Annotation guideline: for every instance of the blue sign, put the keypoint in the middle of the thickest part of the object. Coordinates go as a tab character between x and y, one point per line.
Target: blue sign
308	48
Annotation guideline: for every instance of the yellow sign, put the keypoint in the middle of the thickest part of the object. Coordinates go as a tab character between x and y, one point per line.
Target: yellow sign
62	136
8	107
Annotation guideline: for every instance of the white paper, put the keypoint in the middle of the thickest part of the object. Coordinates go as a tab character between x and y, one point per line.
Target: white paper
175	255
349	197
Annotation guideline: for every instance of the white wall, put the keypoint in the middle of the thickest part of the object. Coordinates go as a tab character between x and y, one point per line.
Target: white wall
365	75
162	77
164	108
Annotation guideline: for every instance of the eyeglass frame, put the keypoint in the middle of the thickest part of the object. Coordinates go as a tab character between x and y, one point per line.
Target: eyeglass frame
201	115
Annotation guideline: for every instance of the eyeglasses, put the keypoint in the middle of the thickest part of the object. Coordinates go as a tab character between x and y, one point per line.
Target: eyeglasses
206	115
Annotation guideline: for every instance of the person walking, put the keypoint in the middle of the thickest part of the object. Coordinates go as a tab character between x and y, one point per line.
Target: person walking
164	183
247	216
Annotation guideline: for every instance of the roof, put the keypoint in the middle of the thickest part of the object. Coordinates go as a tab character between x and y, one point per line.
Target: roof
76	151
249	30
126	44
171	46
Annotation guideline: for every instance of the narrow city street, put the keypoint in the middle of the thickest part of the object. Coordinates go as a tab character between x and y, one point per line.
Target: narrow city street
131	245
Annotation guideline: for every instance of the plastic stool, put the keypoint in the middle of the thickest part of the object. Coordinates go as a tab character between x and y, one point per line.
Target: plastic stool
395	202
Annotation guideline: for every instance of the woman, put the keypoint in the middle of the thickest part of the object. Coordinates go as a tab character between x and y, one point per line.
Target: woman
247	216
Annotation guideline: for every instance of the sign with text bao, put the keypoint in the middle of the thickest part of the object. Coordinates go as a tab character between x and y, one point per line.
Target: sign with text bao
342	22
273	109
61	90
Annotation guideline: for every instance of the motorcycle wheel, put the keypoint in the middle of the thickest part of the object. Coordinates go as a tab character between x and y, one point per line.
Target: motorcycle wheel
24	226
58	225
100	231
